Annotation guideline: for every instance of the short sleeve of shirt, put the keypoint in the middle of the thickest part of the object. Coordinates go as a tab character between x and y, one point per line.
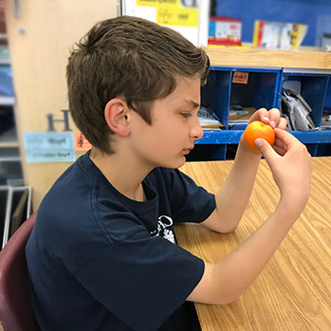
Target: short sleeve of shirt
189	202
142	279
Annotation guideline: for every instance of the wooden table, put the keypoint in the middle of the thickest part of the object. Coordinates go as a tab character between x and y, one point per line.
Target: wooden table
293	293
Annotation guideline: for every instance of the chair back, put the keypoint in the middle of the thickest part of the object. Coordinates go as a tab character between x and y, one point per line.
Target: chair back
16	312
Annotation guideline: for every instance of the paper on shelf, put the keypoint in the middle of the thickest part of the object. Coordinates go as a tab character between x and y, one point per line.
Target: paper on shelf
207	118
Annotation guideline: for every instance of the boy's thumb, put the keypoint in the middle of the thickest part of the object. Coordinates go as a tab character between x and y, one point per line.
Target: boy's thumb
264	147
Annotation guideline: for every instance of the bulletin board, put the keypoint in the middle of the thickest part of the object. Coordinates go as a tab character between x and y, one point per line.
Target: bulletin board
188	17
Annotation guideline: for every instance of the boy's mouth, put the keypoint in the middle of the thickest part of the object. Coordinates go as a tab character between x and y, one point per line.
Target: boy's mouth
187	150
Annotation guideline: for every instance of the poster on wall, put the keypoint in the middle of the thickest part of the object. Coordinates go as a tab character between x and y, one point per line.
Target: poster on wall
188	17
41	147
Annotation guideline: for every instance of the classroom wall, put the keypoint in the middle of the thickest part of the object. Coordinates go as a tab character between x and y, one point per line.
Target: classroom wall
315	13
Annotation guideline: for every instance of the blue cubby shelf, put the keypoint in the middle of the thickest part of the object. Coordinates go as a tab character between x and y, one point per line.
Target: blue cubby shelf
318	142
263	90
222	137
313	137
233	137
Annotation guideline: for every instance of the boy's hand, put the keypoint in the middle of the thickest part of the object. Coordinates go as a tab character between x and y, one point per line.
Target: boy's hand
271	117
290	164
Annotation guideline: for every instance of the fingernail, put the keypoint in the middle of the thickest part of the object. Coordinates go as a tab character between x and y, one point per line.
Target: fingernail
266	118
258	142
273	124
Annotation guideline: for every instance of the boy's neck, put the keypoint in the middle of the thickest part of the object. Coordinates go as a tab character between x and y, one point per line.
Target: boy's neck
122	172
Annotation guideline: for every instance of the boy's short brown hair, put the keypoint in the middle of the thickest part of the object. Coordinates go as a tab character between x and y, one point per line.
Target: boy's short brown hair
128	57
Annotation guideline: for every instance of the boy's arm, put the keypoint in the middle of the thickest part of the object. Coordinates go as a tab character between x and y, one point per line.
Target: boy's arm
233	196
226	280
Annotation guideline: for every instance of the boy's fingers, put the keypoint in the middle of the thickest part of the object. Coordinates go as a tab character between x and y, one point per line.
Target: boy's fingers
279	144
260	115
279	150
263	115
274	116
282	123
285	137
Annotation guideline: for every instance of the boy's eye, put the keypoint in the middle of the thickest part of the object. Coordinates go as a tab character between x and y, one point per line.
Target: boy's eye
186	115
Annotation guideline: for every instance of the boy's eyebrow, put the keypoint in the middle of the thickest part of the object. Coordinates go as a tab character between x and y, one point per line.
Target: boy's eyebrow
192	103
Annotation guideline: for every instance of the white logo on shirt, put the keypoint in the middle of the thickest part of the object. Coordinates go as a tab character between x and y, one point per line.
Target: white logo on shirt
162	228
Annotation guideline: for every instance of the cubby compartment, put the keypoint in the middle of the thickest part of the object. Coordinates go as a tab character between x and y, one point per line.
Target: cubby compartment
312	86
4	193
207	152
260	91
323	150
15	208
326	116
327	103
20	209
312	149
215	95
231	151
10	154
10	169
7	120
10	165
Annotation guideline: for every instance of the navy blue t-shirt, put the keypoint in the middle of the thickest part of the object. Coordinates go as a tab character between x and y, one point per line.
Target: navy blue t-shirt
98	260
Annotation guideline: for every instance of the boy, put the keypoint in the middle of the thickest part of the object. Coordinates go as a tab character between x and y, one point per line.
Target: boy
102	255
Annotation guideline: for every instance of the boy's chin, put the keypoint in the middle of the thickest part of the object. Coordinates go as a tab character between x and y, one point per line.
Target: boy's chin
175	164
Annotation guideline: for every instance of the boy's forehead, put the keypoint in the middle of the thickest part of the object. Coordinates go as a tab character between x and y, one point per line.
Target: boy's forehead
186	94
187	91
187	101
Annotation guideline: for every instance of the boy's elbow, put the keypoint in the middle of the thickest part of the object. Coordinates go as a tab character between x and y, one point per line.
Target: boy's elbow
221	299
221	222
228	300
228	228
216	287
232	229
228	224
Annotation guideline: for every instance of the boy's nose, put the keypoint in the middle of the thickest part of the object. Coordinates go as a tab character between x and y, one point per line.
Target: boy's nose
196	131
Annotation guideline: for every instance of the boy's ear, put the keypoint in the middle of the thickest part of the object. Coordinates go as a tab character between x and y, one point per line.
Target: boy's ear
117	116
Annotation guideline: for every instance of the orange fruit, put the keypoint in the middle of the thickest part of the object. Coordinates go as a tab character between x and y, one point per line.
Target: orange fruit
258	129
